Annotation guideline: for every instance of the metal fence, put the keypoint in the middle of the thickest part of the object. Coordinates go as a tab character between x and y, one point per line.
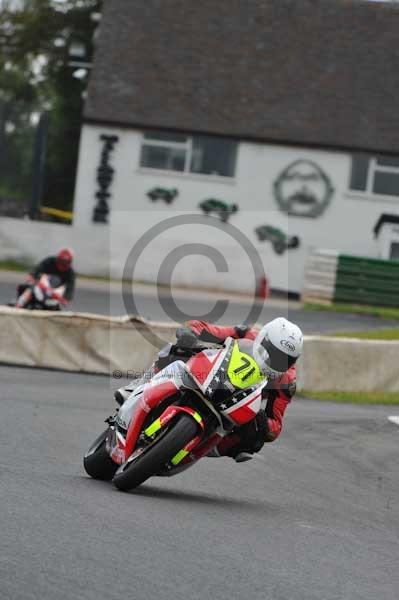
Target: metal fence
367	281
333	277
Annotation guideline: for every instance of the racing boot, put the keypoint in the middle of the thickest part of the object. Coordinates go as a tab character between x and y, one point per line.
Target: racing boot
243	457
235	447
239	457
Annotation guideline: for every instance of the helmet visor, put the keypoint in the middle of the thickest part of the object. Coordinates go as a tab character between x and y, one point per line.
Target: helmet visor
277	359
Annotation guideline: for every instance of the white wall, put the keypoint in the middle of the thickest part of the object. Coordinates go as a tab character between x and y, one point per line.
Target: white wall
31	241
346	224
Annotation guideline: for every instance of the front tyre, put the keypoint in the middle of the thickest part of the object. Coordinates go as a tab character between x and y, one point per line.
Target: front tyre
97	462
150	462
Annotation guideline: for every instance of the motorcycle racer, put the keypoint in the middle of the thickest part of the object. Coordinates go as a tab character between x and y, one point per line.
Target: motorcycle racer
277	346
59	266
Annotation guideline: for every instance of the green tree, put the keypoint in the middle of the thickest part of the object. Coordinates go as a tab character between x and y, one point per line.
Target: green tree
36	41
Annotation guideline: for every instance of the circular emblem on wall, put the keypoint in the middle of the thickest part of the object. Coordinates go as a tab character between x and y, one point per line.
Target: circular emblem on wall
303	189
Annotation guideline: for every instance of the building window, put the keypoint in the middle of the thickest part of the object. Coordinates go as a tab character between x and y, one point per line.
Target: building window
200	154
394	251
378	175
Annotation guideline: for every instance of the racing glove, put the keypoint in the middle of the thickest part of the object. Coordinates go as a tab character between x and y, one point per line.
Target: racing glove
185	338
241	330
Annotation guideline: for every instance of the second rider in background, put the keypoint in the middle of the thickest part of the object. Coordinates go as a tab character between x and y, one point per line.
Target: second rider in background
60	267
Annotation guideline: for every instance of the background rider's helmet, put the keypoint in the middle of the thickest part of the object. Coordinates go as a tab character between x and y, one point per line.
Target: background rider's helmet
64	259
277	347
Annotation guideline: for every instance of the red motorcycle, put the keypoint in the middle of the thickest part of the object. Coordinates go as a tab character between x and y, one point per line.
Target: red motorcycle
180	415
47	293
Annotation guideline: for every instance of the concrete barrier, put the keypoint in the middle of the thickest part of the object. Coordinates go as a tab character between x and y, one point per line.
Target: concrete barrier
348	364
77	341
98	344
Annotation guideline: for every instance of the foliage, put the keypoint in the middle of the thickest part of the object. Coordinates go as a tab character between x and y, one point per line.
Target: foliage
36	37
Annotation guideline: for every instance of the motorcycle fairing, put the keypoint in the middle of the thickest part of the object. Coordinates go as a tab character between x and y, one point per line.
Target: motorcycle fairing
244	406
205	365
151	397
165	383
43	289
224	372
208	371
242	370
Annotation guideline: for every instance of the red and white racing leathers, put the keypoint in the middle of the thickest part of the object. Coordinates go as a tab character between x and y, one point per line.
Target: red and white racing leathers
267	426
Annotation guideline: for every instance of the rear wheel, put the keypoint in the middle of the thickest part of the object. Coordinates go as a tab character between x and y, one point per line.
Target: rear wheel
152	460
97	462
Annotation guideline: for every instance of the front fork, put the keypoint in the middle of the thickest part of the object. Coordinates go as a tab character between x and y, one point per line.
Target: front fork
197	447
169	413
122	449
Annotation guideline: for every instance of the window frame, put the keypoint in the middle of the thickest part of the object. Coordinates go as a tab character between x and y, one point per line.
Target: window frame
188	146
372	168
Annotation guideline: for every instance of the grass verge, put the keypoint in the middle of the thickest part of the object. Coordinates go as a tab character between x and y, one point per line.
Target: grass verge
13	265
372	334
384	312
353	397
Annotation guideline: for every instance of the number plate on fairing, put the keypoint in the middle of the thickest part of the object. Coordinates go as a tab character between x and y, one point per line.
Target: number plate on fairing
222	374
243	370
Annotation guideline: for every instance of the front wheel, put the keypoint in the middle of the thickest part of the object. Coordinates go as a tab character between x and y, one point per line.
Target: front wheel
97	462
153	459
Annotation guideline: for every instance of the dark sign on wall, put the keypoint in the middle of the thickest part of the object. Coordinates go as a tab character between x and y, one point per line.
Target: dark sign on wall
165	194
220	209
279	240
105	175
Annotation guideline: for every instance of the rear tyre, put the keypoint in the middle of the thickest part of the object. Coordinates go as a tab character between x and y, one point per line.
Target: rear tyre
151	461
97	462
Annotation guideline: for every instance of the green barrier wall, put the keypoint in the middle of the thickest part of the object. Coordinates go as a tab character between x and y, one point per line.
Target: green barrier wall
367	281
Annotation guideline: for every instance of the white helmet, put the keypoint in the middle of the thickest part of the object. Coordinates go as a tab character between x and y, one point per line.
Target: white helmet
277	347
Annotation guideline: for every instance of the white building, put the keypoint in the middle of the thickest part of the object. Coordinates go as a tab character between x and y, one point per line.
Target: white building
297	142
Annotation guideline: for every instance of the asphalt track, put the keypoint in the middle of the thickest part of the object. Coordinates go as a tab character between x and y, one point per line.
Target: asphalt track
96	297
314	517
